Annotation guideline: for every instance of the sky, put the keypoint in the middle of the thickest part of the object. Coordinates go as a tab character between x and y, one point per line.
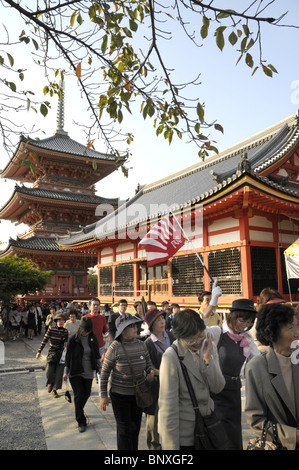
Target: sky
243	104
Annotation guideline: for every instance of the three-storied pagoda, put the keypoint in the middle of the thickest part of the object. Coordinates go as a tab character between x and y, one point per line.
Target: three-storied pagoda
61	199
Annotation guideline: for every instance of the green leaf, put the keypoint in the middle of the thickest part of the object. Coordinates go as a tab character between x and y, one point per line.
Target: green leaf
79	18
11	85
206	21
43	109
272	68
225	14
249	60
267	71
200	112
104	44
11	59
246	30
220	37
35	44
243	44
119	116
133	25
204	32
233	38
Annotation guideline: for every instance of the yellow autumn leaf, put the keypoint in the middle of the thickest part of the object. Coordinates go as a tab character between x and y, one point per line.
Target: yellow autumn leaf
78	71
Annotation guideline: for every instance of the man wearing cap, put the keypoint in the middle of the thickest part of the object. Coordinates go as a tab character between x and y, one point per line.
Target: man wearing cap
235	347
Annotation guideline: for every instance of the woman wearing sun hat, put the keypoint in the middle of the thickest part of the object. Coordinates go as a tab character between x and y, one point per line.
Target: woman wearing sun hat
157	343
236	345
125	351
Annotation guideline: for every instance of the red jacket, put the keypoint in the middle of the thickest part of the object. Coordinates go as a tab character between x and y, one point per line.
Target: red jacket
99	327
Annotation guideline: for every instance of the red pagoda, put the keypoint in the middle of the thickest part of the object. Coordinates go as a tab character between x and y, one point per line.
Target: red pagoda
61	199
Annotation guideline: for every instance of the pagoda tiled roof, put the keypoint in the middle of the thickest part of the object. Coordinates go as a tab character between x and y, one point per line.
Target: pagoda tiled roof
67	196
35	243
62	143
197	183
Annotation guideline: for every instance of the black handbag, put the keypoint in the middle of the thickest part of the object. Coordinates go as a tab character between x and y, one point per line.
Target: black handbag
209	432
261	443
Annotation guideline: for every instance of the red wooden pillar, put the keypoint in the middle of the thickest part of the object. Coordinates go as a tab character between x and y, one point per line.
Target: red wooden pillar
113	274
246	276
277	250
169	274
136	272
205	254
98	269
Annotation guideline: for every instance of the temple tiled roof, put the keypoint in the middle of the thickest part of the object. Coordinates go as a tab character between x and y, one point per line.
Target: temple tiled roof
200	181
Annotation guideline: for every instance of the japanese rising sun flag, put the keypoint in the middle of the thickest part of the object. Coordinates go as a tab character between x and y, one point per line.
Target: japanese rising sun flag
162	241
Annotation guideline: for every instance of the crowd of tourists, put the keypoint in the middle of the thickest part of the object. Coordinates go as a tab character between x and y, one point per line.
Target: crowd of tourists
182	367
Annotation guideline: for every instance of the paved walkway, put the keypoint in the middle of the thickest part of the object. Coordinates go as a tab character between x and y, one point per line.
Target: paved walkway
58	420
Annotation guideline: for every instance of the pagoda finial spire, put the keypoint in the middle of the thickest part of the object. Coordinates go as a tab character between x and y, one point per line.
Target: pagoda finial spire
60	112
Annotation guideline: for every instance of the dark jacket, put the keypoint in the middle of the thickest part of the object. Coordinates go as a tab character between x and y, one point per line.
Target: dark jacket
156	357
74	354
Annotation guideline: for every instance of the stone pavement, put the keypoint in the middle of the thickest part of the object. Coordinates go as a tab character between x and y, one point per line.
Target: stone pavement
58	420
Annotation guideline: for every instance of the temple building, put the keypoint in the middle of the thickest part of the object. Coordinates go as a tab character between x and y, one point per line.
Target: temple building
240	209
61	198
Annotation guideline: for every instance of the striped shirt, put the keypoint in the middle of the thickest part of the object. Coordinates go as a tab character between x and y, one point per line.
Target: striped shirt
57	336
116	363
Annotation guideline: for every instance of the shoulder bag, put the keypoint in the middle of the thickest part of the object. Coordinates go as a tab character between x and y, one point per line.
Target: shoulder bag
144	395
209	432
260	443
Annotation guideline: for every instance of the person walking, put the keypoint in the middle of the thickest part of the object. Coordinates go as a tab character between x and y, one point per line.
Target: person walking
126	353
235	346
31	321
58	337
81	362
15	321
157	343
72	324
174	308
122	308
195	348
50	320
272	378
99	324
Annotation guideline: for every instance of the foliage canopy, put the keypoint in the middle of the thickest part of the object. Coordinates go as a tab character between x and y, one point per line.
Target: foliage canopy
20	276
115	49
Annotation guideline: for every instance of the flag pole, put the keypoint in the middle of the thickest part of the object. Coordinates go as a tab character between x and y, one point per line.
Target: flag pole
197	254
